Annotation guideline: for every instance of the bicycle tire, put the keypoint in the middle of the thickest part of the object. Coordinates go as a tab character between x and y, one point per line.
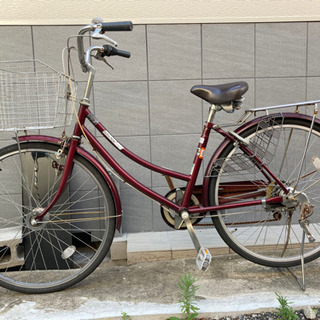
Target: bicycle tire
72	239
267	235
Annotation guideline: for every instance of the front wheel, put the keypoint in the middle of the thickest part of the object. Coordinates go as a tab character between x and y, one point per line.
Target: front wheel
73	237
269	235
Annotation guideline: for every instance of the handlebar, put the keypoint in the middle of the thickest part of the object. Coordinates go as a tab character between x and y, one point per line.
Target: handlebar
117	26
111	51
99	28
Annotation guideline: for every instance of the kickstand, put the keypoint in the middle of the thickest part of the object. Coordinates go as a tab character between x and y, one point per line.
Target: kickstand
302	283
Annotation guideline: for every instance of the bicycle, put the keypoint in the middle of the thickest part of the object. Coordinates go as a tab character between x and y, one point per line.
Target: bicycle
60	206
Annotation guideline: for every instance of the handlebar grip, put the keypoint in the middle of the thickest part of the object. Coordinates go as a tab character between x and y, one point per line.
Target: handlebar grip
111	51
125	54
117	26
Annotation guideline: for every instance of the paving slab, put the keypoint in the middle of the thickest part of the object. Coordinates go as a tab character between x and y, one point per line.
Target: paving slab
149	291
166	245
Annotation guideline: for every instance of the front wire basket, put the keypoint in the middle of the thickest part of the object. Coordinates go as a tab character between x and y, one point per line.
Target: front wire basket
34	96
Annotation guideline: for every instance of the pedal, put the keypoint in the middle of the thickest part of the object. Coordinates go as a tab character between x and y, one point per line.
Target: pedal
203	259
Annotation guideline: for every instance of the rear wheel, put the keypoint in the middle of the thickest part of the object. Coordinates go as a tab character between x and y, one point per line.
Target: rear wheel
74	236
270	235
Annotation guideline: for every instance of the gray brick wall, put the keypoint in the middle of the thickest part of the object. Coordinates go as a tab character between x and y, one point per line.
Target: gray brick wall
146	102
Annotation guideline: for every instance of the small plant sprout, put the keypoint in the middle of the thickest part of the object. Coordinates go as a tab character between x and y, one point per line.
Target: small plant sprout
125	316
285	312
188	298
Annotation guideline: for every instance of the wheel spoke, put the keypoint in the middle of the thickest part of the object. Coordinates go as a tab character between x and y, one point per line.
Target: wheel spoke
73	237
265	234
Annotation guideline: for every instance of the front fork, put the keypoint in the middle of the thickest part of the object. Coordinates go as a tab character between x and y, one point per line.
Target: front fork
74	142
64	178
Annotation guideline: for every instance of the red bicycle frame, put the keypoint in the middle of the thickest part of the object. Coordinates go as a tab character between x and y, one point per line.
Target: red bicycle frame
80	130
191	178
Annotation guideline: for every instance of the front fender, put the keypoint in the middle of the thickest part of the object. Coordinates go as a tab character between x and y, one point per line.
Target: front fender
88	156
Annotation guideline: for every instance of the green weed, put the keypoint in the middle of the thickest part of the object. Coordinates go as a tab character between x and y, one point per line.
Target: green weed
188	298
125	316
285	312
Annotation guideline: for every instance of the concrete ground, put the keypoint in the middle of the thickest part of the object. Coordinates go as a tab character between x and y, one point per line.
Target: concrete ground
149	291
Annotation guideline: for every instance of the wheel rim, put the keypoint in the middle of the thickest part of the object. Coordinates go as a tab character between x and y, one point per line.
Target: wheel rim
72	238
270	236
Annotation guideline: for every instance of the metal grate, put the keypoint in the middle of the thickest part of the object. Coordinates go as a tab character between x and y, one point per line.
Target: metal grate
263	145
33	96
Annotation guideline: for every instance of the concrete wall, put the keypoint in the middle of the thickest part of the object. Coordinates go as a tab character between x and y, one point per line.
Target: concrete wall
146	102
62	12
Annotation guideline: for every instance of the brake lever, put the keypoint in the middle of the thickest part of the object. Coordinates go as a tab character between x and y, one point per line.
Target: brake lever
100	58
98	36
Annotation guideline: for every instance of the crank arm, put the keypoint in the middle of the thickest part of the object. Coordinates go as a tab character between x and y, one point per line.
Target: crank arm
204	257
178	221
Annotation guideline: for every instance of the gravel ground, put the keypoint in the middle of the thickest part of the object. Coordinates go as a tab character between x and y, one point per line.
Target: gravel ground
302	315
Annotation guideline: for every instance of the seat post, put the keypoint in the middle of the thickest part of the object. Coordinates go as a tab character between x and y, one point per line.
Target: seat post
212	111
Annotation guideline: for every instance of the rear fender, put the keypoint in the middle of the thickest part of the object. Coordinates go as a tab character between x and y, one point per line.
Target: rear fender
94	161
